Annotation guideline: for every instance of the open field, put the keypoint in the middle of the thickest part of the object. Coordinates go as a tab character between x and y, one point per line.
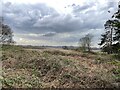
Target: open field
58	68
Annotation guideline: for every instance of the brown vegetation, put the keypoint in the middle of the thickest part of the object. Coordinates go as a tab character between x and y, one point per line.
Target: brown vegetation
58	68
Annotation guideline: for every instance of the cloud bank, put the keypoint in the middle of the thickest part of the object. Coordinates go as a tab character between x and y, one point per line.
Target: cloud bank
42	24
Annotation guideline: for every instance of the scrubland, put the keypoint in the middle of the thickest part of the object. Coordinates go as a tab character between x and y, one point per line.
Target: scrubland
58	68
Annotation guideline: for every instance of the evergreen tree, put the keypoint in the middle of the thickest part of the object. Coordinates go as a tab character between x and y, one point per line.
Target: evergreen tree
6	34
110	41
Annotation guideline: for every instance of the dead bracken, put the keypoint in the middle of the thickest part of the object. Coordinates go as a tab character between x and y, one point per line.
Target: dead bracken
45	68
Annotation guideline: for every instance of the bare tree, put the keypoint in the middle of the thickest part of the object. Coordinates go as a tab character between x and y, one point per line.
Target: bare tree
85	42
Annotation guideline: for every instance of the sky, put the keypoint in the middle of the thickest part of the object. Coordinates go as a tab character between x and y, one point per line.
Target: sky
57	22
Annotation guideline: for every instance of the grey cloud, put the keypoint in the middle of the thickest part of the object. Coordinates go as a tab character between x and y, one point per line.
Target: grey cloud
49	34
42	19
0	8
108	5
24	16
78	8
68	23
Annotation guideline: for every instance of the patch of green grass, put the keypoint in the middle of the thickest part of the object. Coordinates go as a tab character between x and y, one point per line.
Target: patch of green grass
46	55
116	56
56	66
117	74
11	47
21	81
36	72
67	61
8	82
100	59
115	62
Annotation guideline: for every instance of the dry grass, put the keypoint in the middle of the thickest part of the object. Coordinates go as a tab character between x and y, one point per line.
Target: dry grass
45	68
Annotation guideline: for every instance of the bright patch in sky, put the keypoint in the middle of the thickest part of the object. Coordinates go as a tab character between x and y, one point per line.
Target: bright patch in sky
59	5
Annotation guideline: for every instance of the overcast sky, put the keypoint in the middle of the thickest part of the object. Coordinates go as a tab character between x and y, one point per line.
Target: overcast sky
57	22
